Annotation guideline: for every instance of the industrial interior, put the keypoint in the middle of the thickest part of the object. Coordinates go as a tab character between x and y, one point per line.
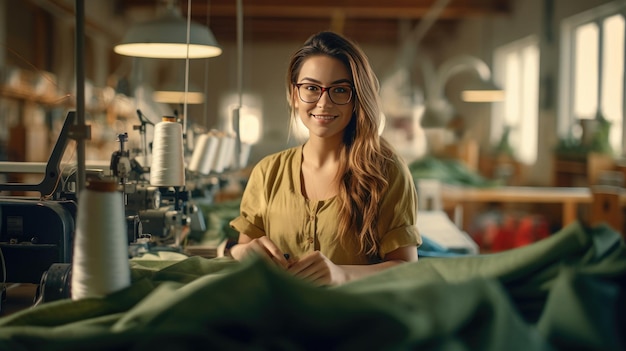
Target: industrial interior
509	115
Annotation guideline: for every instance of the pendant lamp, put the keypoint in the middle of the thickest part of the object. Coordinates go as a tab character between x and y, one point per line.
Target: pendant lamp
171	94
482	91
438	110
166	37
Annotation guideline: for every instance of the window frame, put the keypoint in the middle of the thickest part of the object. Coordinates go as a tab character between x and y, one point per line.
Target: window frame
498	110
566	120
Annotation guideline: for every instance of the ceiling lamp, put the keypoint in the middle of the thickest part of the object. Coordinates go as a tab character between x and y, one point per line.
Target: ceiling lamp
178	97
483	91
438	110
166	37
177	88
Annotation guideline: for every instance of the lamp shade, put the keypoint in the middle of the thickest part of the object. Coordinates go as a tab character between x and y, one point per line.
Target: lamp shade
166	37
483	91
178	97
173	92
438	110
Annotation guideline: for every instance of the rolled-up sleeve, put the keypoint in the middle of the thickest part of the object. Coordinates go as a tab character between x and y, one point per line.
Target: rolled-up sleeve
397	224
253	206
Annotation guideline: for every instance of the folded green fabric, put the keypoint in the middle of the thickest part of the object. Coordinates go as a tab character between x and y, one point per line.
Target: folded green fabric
560	293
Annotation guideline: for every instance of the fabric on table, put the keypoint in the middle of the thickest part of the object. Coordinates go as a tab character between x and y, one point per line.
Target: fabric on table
563	292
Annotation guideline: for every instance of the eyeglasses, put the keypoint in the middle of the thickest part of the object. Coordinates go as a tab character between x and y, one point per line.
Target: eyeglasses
339	94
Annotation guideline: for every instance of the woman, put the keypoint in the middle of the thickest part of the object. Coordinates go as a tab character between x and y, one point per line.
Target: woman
342	205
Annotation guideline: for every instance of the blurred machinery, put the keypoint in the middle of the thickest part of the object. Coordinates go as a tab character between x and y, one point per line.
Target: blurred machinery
36	233
158	218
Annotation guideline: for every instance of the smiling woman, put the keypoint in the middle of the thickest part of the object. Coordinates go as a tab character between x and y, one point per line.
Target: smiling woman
317	110
342	205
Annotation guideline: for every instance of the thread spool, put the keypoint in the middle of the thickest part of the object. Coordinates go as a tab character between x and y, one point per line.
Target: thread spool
168	167
100	259
244	155
225	153
204	154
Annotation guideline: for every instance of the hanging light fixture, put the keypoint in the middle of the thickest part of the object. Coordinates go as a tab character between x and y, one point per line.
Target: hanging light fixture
483	91
438	110
176	91
174	96
166	37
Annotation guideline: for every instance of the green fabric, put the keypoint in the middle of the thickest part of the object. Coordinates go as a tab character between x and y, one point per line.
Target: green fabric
564	292
217	217
448	171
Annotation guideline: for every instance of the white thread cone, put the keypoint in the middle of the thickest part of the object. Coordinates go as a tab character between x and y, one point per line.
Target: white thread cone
100	260
168	166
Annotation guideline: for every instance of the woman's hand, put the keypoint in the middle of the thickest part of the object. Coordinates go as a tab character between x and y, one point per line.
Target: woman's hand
318	269
261	246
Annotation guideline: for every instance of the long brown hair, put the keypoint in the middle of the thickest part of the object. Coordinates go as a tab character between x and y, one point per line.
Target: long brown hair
365	156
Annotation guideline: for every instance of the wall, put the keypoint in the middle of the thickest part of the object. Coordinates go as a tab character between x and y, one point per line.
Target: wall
265	66
529	17
3	30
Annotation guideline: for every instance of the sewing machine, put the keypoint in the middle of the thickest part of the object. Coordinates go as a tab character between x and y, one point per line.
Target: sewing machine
36	233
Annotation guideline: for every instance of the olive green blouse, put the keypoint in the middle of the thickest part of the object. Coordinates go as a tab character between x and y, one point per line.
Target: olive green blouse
273	205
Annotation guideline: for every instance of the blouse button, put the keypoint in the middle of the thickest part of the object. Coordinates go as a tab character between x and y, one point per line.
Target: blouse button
311	218
310	239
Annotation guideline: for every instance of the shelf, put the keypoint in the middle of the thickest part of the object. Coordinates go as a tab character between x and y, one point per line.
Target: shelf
581	171
25	95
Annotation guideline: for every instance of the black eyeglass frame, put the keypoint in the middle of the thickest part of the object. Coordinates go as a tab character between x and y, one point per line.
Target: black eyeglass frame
325	89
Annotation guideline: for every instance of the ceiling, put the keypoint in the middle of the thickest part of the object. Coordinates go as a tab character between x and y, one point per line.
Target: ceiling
361	20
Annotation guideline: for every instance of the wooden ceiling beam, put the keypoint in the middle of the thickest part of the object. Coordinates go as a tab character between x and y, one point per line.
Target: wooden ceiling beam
285	20
392	9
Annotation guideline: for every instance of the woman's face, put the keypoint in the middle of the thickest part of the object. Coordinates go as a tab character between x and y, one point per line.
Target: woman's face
324	118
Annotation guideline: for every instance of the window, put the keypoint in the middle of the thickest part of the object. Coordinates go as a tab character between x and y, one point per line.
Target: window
592	72
516	69
612	99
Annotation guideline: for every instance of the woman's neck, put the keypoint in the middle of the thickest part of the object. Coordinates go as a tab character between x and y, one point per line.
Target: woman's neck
320	164
319	152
